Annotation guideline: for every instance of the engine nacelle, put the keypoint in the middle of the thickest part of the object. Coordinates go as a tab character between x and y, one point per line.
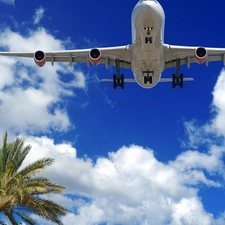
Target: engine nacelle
201	55
95	56
40	58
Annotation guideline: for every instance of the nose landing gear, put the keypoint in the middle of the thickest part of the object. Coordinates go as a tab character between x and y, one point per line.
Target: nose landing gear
148	39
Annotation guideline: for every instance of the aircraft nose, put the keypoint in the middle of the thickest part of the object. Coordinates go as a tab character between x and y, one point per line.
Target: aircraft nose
147	1
150	4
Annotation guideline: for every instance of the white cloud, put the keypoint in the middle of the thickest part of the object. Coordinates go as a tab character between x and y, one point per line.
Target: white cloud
39	13
10	2
219	104
30	96
215	128
130	186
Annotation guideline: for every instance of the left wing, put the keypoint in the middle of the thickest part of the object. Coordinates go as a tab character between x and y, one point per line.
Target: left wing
188	55
106	56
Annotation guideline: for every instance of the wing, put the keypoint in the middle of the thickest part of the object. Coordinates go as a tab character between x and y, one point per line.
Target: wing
108	56
187	55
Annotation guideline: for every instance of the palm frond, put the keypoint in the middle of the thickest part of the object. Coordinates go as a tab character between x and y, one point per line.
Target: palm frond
26	218
19	152
11	217
6	202
42	185
36	167
45	208
21	189
13	153
3	153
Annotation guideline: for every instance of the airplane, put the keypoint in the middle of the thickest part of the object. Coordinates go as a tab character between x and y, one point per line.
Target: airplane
148	56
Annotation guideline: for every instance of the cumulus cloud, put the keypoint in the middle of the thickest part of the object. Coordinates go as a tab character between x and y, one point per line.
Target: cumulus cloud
10	2
130	186
219	104
39	13
213	131
30	96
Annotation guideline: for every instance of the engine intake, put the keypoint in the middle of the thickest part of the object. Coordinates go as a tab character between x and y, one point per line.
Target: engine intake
95	56
201	55
40	58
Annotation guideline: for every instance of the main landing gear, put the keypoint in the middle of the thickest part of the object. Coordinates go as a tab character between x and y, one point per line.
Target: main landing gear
177	79
148	39
118	79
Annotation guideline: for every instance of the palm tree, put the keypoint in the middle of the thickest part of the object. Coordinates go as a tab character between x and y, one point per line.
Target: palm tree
21	189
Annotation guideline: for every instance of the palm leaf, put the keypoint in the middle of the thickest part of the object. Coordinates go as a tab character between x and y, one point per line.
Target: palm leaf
36	167
3	155
26	218
21	189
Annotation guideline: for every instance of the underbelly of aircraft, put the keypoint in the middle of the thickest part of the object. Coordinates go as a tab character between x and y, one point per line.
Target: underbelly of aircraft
147	82
147	66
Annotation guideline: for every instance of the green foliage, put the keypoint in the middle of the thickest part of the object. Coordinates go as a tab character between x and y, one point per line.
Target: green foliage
20	189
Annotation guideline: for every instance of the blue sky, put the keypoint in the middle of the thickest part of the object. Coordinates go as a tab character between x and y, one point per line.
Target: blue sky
132	156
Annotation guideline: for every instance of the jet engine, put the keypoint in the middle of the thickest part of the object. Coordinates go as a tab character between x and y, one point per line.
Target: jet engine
95	56
201	55
40	58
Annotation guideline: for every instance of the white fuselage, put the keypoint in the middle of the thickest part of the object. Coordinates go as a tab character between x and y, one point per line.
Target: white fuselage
148	17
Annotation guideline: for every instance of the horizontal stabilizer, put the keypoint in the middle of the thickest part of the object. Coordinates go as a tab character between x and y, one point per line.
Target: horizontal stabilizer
170	79
134	81
125	80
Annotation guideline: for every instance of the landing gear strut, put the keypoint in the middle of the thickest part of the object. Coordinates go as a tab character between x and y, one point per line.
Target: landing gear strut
148	38
118	79
177	79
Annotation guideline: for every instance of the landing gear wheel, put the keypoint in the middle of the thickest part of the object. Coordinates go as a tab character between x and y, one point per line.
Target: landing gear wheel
118	80
148	39
177	79
145	80
150	79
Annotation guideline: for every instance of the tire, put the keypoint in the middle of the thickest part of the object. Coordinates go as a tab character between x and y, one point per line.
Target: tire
145	80
146	40
114	81
150	79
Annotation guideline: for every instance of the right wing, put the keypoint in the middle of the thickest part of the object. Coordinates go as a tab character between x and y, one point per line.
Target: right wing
108	56
186	55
